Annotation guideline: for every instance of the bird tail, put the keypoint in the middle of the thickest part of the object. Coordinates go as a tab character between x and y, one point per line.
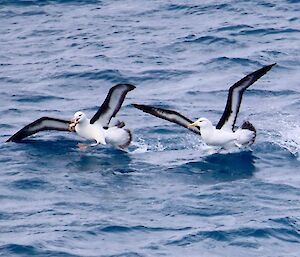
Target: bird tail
129	139
247	134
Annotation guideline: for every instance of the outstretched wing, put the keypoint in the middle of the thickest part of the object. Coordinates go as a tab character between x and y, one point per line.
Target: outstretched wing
44	123
235	96
111	104
168	115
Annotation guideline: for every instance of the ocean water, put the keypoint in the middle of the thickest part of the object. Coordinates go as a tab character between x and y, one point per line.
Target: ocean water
169	195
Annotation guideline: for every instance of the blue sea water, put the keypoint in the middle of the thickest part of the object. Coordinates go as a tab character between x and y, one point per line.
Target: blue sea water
169	195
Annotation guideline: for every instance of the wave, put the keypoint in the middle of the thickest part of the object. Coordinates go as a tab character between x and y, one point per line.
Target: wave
209	40
265	31
123	229
290	140
237	236
47	2
29	250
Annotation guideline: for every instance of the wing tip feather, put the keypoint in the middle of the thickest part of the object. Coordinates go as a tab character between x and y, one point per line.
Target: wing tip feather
266	68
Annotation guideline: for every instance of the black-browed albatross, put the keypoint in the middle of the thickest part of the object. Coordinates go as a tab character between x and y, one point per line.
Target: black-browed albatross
224	135
100	127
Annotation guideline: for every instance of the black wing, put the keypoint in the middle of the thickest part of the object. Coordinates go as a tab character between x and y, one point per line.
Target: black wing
44	123
235	96
111	104
168	115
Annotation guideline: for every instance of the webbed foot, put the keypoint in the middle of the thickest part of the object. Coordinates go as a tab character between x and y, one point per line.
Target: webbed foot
83	146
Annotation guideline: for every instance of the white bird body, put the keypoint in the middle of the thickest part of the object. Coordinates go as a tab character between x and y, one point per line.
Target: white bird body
90	131
102	127
116	136
222	137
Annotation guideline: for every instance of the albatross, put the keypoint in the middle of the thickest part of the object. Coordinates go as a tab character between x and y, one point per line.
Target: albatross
224	134
100	128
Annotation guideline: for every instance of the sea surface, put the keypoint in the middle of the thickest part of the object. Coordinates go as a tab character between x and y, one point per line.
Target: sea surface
169	194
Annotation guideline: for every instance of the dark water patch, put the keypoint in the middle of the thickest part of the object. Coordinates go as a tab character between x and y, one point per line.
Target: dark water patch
275	55
238	234
279	187
233	27
5	215
267	4
291	222
9	126
33	13
265	31
203	8
37	98
200	236
103	160
271	152
293	19
207	40
245	244
161	130
28	250
126	254
10	80
5	64
7	13
178	7
163	74
114	76
229	61
43	32
196	9
122	229
221	167
31	184
27	3
266	93
207	211
38	147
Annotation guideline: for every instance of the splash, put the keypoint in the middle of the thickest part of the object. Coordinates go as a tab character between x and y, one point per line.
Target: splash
290	140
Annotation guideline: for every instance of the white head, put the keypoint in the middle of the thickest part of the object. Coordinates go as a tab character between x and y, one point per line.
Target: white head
202	123
79	117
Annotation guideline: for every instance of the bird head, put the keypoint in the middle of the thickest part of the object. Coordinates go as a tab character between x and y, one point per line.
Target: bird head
78	118
202	123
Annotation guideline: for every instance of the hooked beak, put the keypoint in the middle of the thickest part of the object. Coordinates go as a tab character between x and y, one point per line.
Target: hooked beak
192	125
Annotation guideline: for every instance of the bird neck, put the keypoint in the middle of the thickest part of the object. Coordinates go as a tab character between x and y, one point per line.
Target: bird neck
207	130
83	123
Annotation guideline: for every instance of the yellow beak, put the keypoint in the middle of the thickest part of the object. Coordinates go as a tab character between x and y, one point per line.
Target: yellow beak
192	125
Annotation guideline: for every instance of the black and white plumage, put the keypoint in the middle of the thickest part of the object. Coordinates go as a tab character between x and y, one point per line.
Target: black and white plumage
41	124
100	128
111	104
235	96
168	115
223	134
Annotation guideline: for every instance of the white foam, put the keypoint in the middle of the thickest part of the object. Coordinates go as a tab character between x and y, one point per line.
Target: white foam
290	140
